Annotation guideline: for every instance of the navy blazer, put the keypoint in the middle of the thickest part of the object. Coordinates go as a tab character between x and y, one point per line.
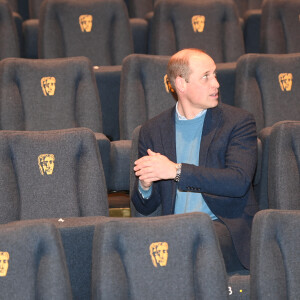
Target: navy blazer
227	163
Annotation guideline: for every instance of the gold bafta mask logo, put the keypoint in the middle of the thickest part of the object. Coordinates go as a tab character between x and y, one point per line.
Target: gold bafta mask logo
86	23
4	257
168	85
198	23
46	163
285	81
159	253
48	85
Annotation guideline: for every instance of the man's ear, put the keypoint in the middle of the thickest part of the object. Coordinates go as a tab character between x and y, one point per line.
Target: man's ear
180	84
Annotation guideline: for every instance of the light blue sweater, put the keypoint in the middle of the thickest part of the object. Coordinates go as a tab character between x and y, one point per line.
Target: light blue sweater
188	139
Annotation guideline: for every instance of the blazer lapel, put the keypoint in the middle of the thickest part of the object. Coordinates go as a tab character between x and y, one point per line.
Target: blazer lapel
168	141
168	137
210	126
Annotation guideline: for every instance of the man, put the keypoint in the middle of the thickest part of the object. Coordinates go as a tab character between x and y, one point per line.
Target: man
200	156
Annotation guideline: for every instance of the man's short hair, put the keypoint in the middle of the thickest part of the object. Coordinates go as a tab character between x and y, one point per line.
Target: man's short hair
178	64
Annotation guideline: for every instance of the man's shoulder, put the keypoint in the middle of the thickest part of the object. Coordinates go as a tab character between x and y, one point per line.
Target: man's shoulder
159	120
234	112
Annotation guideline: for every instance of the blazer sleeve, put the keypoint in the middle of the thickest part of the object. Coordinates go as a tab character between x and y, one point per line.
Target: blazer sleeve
145	206
230	166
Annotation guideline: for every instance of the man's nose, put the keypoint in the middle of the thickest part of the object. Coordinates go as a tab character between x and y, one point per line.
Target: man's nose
215	83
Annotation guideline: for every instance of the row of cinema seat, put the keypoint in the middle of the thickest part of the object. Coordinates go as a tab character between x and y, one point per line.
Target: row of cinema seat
67	172
135	92
103	31
172	257
53	94
29	9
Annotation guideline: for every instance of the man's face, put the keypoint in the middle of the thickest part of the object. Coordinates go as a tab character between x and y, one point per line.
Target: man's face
161	255
49	85
86	22
198	23
48	165
286	81
202	89
3	263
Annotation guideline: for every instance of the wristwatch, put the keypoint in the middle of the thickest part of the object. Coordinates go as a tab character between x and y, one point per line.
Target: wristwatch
178	172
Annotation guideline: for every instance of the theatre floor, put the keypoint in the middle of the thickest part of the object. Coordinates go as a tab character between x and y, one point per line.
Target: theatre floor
119	204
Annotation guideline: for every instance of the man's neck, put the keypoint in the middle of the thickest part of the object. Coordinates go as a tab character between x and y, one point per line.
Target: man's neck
188	113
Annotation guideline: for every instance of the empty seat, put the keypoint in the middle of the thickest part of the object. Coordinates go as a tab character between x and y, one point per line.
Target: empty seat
108	83
119	165
209	25
280	26
32	263
140	8
265	86
275	248
97	29
170	257
284	166
51	94
34	8
77	239
51	174
245	5
19	7
9	41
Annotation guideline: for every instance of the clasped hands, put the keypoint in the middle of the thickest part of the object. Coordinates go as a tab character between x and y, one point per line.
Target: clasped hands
154	167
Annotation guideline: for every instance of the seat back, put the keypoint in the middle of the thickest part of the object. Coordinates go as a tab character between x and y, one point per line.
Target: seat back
284	166
51	174
245	5
140	8
143	92
120	153
34	8
9	42
97	29
275	247
170	257
49	94
280	26
33	264
264	86
210	25
77	239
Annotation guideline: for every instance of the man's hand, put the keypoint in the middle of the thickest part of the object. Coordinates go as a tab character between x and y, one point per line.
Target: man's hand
154	167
